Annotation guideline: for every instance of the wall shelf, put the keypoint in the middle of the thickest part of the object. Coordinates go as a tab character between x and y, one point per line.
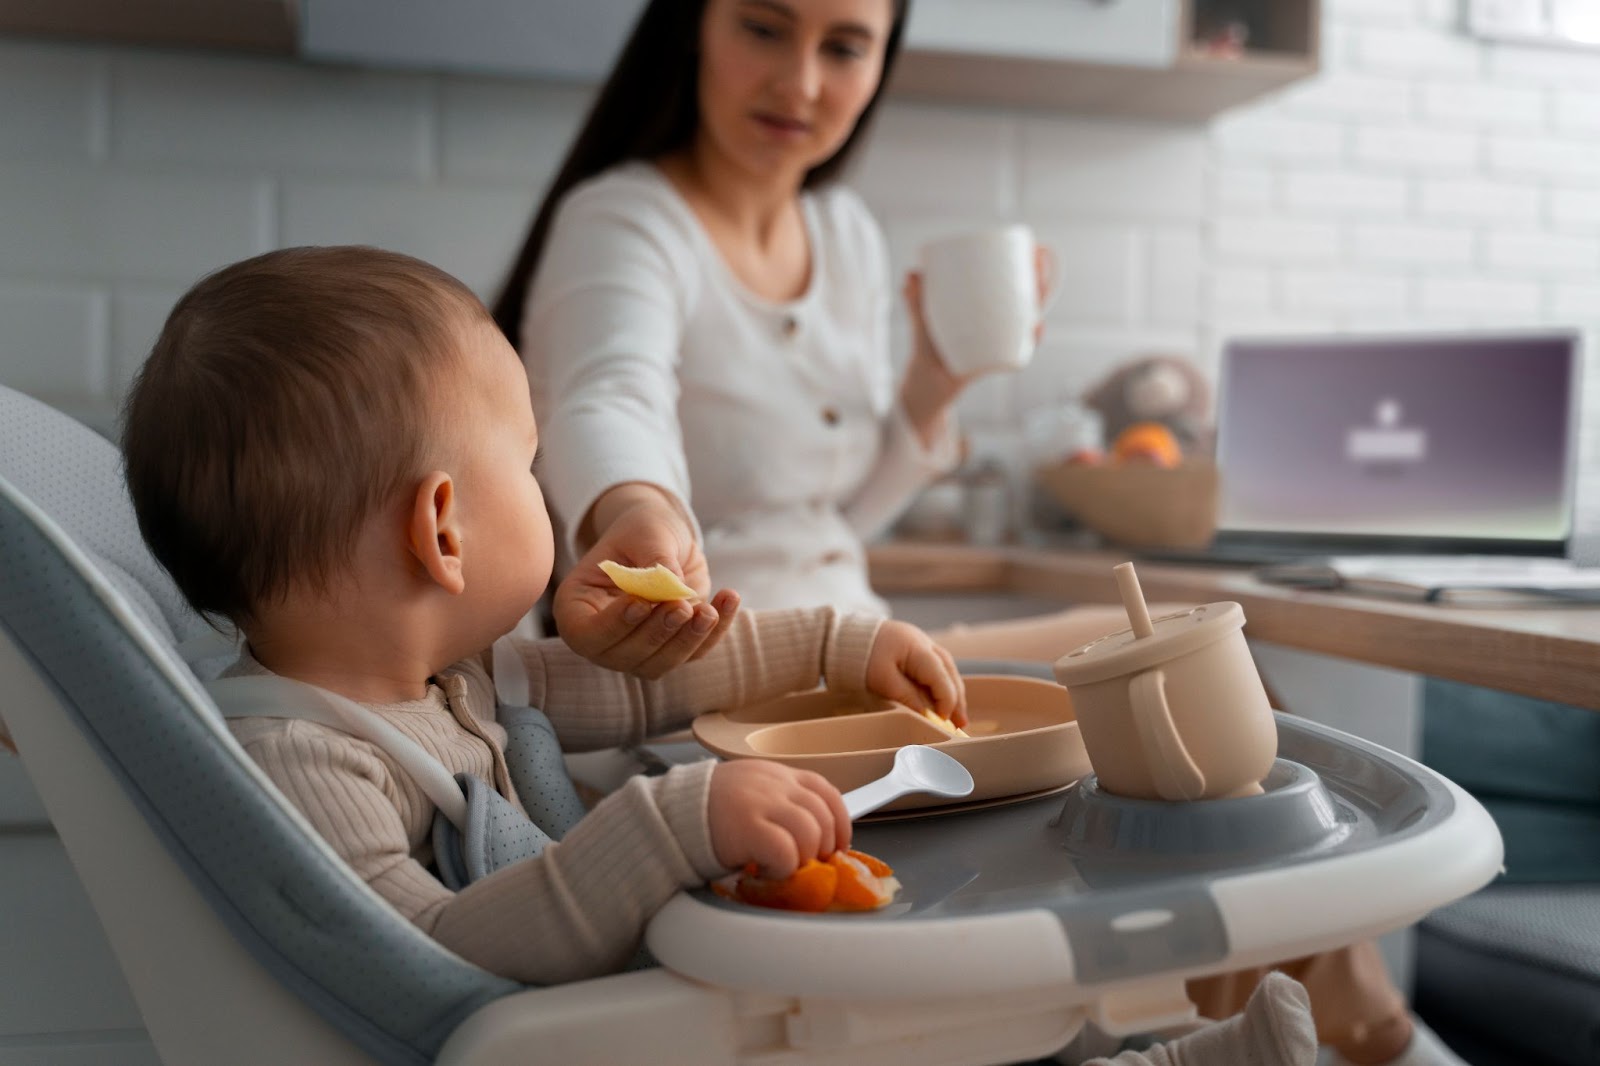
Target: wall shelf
269	26
1193	86
1192	89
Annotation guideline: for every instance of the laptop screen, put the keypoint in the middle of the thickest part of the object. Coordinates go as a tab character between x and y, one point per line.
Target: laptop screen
1425	443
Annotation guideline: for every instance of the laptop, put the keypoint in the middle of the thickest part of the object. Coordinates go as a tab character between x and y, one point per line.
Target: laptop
1395	445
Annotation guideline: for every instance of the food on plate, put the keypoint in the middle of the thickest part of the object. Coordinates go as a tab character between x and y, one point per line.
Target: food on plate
844	881
945	724
655	583
1147	442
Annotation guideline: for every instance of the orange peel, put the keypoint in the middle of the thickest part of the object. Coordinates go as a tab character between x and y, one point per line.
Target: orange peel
859	889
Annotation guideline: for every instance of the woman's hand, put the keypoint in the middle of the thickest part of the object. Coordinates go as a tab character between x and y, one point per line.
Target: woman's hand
637	525
906	666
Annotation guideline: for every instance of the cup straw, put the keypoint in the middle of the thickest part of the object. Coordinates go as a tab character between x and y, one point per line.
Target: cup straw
1133	600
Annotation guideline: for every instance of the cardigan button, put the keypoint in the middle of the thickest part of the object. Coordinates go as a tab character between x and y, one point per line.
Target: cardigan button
791	326
830	416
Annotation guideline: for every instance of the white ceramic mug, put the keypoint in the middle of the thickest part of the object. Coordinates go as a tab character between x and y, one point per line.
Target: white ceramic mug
980	297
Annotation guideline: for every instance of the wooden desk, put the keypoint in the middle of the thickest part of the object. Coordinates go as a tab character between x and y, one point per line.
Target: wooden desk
1549	653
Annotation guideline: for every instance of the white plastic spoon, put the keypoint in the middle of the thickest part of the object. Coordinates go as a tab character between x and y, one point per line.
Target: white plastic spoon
917	768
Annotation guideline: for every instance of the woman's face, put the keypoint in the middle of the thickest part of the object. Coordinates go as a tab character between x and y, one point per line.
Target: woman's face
782	82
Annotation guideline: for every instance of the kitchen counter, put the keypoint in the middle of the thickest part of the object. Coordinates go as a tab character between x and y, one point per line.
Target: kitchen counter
1549	653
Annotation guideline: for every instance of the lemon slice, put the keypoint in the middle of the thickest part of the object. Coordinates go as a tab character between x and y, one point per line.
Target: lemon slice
655	583
945	724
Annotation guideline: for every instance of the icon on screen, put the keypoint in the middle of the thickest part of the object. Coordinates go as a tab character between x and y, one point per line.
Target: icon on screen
1387	444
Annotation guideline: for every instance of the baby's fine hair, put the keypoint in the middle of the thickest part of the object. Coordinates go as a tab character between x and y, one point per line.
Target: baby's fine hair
288	398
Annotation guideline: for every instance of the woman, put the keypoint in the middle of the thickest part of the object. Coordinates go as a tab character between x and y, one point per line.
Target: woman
701	285
700	307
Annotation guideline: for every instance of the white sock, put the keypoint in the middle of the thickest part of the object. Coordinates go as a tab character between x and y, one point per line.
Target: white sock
1275	1029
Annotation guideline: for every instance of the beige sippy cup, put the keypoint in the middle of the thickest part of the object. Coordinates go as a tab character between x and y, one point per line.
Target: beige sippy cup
1172	709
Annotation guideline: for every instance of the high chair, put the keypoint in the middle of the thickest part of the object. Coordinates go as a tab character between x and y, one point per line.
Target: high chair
246	940
243	937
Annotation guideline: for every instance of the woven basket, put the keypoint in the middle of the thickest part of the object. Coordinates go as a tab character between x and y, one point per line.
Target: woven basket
1138	504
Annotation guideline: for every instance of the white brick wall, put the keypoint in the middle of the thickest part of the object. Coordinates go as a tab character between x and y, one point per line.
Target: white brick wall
126	174
1421	180
1424	179
1422	173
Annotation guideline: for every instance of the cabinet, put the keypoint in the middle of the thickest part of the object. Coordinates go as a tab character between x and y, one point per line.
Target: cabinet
566	40
1141	58
1137	33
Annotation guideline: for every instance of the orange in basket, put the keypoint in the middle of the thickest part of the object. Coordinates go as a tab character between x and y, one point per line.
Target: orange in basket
845	881
1149	442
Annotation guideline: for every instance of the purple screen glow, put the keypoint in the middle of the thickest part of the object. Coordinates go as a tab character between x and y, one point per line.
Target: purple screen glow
1427	437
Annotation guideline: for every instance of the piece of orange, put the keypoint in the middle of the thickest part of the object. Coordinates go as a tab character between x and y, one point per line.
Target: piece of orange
845	881
810	888
1149	442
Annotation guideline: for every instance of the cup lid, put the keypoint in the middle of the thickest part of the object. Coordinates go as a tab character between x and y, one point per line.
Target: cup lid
1175	634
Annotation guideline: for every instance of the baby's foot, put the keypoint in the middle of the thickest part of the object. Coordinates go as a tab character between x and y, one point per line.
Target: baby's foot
1275	1029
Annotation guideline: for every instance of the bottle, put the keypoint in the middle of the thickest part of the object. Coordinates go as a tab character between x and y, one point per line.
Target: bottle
988	504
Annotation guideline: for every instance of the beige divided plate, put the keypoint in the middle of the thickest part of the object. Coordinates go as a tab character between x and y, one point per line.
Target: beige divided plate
1024	738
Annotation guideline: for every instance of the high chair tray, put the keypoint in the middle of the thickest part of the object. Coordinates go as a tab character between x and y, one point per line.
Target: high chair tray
1349	841
1024	737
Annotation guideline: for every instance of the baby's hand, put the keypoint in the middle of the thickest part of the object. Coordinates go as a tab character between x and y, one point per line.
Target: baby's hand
906	666
774	816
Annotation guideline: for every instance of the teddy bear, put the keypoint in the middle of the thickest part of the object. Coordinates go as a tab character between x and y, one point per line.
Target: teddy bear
1164	389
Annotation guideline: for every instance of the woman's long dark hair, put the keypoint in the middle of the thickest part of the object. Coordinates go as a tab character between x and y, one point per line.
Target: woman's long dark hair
648	107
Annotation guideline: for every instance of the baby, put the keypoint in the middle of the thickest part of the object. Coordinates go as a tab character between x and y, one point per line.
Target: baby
332	449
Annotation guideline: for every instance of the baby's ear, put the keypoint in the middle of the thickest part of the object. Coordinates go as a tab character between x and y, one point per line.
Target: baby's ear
434	536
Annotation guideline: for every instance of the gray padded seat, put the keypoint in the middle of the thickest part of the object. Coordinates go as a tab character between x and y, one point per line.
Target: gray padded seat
298	910
1518	964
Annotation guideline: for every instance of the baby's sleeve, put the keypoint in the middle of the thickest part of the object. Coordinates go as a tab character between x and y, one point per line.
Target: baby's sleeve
763	655
580	908
577	910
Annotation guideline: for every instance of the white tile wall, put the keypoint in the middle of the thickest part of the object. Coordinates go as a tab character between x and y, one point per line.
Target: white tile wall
64	90
214	114
1423	179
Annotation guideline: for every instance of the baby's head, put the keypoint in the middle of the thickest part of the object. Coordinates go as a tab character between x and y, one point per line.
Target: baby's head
343	428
